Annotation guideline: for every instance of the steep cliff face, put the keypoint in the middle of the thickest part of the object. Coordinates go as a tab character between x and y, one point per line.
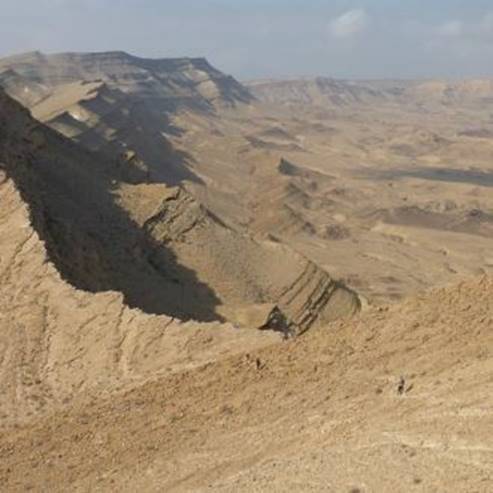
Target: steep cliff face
134	234
179	80
96	295
130	131
242	270
57	341
23	89
157	245
91	240
122	105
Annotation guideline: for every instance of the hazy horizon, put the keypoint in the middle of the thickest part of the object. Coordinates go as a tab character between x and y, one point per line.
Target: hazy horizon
273	39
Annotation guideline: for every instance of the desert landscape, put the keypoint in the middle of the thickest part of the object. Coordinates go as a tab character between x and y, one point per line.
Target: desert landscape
218	285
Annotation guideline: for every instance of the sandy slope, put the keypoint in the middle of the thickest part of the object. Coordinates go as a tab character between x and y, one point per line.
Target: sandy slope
321	413
57	342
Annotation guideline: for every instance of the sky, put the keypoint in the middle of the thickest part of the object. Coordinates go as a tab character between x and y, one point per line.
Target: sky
253	39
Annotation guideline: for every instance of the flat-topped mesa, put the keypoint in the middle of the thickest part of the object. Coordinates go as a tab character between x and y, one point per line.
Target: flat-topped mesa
110	63
121	104
170	78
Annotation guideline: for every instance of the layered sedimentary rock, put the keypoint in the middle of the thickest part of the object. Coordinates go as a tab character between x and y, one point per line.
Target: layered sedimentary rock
100	290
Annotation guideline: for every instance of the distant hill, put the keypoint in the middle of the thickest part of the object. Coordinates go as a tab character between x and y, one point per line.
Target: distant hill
335	92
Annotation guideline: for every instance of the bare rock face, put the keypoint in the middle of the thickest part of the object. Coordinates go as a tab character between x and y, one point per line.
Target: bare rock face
23	89
121	105
57	341
240	269
179	80
99	281
158	246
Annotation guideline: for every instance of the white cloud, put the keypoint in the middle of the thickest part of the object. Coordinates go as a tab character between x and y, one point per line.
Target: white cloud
349	24
451	29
